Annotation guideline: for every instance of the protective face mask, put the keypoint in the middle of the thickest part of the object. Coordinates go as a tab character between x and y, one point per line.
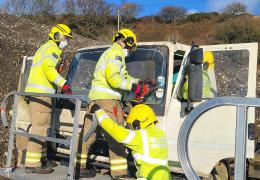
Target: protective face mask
63	43
126	51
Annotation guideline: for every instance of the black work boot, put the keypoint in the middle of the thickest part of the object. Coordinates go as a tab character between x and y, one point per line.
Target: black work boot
123	177
119	178
51	163
87	173
39	170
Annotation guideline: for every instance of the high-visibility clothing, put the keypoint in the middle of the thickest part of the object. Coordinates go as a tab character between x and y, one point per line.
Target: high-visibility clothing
206	86
149	147
35	157
81	159
43	77
110	75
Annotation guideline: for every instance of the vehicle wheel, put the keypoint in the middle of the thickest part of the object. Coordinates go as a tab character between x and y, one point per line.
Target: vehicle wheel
221	171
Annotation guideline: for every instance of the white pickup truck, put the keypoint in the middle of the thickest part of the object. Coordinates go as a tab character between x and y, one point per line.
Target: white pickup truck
212	139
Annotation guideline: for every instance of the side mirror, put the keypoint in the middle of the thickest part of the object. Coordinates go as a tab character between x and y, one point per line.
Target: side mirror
196	56
195	83
195	80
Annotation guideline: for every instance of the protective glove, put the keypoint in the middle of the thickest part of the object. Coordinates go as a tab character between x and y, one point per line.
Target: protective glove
146	89
136	88
141	89
66	89
93	108
150	82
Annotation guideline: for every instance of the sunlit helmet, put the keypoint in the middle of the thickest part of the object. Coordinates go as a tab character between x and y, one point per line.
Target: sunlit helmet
58	31
141	116
128	36
209	59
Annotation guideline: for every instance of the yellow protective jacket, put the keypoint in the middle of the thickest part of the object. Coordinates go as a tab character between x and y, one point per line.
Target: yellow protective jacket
43	77
206	89
110	75
149	147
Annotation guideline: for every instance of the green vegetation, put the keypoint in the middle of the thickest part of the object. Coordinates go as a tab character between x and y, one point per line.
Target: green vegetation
239	30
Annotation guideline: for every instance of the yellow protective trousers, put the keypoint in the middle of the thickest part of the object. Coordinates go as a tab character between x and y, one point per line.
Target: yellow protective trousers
117	152
40	112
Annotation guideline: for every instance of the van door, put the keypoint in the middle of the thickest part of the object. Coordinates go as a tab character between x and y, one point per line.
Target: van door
23	120
212	138
23	117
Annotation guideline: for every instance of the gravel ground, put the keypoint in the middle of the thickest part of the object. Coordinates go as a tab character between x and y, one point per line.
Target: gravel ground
60	173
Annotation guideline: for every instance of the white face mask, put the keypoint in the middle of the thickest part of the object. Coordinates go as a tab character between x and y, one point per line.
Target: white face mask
63	43
126	51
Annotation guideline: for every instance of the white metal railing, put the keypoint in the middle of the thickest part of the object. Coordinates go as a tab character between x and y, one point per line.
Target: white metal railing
242	104
72	142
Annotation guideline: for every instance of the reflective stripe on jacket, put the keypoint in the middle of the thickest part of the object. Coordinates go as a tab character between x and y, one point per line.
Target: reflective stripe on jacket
43	77
206	84
149	147
110	75
34	157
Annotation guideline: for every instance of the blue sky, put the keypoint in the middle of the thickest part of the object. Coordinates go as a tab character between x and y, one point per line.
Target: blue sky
150	7
153	6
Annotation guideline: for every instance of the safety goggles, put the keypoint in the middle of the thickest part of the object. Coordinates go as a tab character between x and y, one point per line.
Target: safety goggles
135	125
129	41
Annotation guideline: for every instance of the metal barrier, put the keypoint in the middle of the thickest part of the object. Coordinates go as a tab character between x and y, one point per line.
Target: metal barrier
73	142
242	105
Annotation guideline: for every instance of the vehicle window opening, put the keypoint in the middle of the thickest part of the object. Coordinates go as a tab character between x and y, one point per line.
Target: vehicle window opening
149	62
178	58
226	76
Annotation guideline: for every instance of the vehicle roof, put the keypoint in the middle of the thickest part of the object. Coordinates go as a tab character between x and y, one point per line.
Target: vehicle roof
166	43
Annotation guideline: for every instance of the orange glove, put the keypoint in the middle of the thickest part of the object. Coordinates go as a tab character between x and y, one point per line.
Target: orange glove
141	90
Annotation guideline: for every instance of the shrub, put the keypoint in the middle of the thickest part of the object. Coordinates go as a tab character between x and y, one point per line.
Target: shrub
197	17
239	30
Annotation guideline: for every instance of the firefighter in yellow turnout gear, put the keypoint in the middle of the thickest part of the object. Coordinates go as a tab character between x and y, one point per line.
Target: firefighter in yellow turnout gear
110	78
147	142
208	63
45	77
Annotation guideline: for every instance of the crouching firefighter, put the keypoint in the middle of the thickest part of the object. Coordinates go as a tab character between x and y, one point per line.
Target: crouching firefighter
110	78
147	142
45	77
